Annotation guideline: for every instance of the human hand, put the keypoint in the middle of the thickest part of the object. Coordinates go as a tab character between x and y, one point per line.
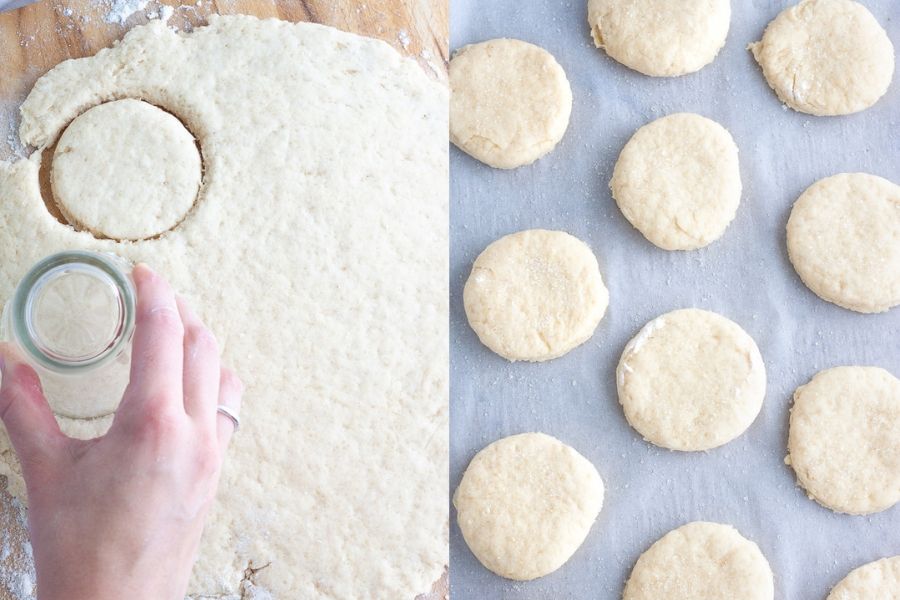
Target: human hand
121	516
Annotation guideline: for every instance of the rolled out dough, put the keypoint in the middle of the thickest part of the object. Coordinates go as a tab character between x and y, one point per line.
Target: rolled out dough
843	238
879	580
678	181
701	561
126	170
844	439
660	37
826	57
510	102
323	218
691	380
526	503
535	295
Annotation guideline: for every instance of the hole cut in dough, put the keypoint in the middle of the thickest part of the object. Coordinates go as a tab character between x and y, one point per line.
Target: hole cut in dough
661	38
526	503
510	102
678	181
879	580
826	57
843	238
691	380
844	439
535	295
126	170
701	561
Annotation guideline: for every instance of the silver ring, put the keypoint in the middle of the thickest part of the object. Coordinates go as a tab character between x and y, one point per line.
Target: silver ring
232	416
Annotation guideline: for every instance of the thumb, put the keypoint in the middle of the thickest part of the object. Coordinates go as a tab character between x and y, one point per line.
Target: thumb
30	423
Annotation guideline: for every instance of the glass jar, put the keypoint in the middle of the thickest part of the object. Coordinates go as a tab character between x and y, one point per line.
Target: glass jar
72	318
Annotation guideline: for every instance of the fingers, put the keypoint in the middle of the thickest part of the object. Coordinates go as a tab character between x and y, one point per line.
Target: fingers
201	368
230	391
158	348
32	428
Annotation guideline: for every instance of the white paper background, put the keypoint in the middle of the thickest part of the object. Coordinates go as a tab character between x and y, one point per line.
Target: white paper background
745	276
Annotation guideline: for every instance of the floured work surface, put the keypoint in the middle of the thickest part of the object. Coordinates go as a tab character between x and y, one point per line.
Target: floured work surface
745	276
316	251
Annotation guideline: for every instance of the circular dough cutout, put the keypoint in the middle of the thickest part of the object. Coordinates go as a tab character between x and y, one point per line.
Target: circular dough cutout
701	561
678	181
826	57
879	580
663	38
526	503
126	170
844	439
691	380
843	238
535	295
510	102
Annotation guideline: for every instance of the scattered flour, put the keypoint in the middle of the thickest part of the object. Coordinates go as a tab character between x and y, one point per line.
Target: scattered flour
120	10
404	38
16	562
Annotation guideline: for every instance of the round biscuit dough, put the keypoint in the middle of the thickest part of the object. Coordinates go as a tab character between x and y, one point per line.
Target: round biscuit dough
678	181
510	102
126	170
826	57
691	380
843	238
662	38
526	503
701	561
879	580
844	439
535	295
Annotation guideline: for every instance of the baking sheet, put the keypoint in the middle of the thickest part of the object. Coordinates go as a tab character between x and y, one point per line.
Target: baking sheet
745	276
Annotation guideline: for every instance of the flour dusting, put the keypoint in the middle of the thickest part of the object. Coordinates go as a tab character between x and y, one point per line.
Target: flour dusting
120	10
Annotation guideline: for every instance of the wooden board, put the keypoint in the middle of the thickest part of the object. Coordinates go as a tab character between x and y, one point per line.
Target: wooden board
36	38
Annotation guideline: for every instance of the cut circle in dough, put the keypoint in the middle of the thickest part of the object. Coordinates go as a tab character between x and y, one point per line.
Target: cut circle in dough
691	380
826	57
843	238
535	295
126	170
701	561
879	580
526	503
662	38
678	181
844	439
510	102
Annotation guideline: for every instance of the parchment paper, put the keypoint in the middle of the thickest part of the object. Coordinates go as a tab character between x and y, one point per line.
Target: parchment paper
745	276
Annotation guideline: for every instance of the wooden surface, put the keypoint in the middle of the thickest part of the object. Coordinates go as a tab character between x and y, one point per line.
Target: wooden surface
36	38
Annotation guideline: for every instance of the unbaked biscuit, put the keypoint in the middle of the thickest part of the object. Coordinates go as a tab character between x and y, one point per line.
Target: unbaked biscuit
879	580
526	503
691	380
844	439
660	37
535	295
701	561
843	238
826	57
510	102
126	170
678	181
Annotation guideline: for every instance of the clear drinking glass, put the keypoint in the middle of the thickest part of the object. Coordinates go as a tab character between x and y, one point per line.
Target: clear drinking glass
72	318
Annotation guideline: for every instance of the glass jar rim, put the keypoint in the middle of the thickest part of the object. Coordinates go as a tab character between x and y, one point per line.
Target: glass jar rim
110	266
